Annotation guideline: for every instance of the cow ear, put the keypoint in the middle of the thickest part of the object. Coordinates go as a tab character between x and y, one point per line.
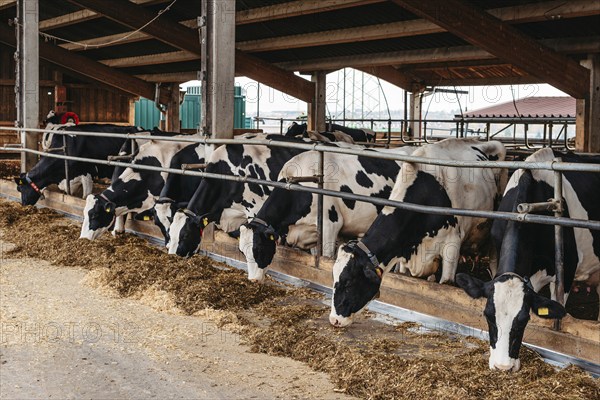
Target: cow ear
546	308
374	274
109	208
474	287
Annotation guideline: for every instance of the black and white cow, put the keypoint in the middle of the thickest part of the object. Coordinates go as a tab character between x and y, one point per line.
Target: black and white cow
344	134
291	217
526	260
228	203
178	189
135	190
50	171
420	242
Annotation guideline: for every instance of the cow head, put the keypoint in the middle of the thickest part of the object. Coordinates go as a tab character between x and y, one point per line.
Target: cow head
185	233
356	281
30	192
164	211
296	130
98	216
258	243
510	298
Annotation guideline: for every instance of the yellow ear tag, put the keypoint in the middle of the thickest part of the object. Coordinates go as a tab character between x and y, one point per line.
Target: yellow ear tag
146	218
271	237
542	311
21	182
379	272
205	221
107	210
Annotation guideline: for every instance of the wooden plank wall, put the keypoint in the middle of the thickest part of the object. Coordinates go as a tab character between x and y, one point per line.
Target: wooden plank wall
91	103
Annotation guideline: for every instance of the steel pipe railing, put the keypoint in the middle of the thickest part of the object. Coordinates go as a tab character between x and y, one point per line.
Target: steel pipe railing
508	216
547	165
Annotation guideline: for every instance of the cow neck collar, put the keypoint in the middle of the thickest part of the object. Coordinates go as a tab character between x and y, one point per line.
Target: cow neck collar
162	200
282	237
372	257
524	279
103	197
34	186
259	221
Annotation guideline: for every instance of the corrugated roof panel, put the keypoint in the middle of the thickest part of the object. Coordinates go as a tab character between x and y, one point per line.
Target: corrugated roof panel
529	107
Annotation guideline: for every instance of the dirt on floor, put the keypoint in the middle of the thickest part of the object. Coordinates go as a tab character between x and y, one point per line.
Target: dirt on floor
367	360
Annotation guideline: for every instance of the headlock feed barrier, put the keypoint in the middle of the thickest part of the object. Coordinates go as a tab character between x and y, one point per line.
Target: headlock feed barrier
526	211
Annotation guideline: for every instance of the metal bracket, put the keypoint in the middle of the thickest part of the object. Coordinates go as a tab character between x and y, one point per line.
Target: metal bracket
193	166
551	205
298	179
125	157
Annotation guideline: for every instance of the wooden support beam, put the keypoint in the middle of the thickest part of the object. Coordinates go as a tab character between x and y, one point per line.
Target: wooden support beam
152	59
89	68
317	107
187	39
172	117
508	80
393	76
79	16
179	77
4	4
587	130
507	43
445	55
295	8
517	14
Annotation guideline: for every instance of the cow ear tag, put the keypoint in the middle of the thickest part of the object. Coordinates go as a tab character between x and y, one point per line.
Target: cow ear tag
146	218
379	272
271	237
542	311
205	221
107	210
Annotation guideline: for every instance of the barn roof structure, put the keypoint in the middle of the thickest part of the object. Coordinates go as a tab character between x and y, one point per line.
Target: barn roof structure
557	107
413	44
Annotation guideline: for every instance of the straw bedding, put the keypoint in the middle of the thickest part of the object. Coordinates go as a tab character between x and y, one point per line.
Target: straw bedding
387	362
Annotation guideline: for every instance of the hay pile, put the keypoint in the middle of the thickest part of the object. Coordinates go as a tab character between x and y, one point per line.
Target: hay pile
383	363
9	168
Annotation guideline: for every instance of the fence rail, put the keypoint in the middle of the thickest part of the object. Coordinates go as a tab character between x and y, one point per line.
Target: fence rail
555	165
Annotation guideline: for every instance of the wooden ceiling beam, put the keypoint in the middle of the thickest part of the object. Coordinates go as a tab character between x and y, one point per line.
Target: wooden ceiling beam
84	66
168	77
505	42
447	55
79	16
513	15
393	76
152	59
4	4
295	8
187	39
508	80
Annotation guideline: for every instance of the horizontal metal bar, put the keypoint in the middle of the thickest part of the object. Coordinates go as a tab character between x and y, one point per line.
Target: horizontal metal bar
193	166
528	208
546	165
123	157
533	218
298	179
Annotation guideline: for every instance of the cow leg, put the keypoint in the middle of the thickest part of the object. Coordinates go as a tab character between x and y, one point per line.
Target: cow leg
450	256
119	225
330	234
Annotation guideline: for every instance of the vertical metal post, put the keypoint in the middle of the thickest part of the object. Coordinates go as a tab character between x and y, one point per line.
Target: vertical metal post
558	243
487	131
28	79
550	140
217	26
67	178
321	178
389	137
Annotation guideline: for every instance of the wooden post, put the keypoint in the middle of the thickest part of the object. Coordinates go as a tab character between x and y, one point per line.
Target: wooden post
218	67
173	121
414	116
28	79
587	135
317	109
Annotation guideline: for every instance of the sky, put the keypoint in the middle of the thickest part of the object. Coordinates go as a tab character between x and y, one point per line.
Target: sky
377	92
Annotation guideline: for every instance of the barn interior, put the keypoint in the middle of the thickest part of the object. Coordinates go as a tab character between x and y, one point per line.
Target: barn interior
96	56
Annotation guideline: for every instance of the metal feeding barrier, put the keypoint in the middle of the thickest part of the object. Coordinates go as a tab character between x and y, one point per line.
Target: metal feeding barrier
430	130
526	212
